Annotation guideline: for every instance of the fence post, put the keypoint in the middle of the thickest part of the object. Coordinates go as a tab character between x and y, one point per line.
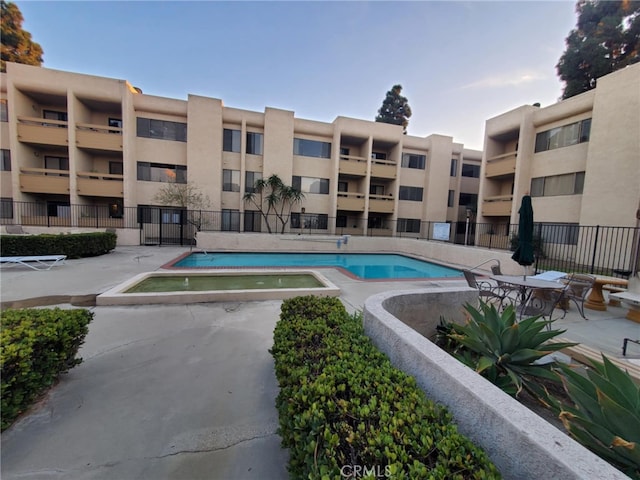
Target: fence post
595	247
95	207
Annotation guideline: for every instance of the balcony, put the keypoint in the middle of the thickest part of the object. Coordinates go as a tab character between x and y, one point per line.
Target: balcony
100	184
351	165
381	203
383	169
44	180
353	202
99	137
497	206
501	165
40	131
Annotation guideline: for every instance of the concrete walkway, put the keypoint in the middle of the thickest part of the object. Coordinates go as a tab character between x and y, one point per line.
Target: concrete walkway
180	391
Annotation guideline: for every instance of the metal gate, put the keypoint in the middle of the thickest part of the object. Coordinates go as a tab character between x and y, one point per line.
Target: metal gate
165	226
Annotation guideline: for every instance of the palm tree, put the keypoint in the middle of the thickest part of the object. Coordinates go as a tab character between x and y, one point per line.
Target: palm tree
272	195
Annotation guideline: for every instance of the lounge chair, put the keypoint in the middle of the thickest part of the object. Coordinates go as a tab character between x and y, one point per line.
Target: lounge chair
35	262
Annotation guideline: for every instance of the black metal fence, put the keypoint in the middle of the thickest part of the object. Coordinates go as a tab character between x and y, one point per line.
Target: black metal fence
565	247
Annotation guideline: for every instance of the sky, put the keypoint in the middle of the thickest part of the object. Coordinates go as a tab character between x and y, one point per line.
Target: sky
460	63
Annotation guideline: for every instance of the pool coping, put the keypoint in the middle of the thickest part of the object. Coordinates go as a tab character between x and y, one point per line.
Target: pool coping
117	295
171	265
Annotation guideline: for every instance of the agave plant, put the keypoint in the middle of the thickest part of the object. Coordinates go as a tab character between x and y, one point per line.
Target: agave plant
504	350
606	416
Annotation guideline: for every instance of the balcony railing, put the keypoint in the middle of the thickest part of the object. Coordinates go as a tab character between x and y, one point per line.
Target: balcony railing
497	206
353	202
381	203
383	168
44	180
100	184
352	165
501	165
99	137
42	131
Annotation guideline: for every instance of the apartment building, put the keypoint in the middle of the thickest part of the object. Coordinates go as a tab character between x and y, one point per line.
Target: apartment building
579	159
70	139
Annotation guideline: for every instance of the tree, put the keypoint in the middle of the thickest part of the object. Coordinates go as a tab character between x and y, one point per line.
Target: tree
184	195
272	196
395	109
606	39
17	45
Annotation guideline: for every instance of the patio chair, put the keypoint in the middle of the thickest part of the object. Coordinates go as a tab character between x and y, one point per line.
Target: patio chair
508	291
577	287
542	303
486	290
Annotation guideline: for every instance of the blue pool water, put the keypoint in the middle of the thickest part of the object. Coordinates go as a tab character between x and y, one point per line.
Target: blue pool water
363	265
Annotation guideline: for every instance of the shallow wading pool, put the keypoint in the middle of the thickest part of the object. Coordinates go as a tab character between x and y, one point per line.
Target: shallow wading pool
193	286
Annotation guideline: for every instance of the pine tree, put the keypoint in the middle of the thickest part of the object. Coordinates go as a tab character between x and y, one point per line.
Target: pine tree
17	45
395	109
606	39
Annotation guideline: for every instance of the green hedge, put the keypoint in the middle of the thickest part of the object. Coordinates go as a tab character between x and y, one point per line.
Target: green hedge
37	345
345	410
75	245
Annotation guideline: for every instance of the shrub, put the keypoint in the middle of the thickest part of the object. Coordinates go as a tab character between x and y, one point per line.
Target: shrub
75	245
503	350
37	346
342	404
606	415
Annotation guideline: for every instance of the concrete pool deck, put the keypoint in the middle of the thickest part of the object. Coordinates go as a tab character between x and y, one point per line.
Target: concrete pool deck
182	391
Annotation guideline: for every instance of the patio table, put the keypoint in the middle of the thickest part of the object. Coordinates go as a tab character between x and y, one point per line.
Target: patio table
595	300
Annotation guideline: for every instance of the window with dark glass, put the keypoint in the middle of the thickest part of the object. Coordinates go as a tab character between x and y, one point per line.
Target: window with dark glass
161	129
4	110
451	198
411	225
472	171
413	194
468	199
250	179
6	208
115	123
376	189
560	233
56	163
412	160
343	186
312	221
311	184
572	134
252	221
567	184
115	168
230	220
344	151
230	180
55	115
454	168
161	172
378	156
231	140
311	148
254	143
341	221
5	165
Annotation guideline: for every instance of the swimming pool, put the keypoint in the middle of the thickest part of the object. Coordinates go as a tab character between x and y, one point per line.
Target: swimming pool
367	266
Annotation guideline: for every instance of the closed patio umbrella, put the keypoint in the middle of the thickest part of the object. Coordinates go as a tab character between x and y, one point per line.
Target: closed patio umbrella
524	250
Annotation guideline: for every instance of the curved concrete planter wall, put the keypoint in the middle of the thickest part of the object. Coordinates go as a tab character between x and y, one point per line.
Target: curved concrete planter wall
520	443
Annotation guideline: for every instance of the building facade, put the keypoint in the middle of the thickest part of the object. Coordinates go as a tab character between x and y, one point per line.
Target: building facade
579	159
72	140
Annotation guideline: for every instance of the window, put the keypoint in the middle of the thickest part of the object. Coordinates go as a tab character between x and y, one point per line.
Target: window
378	156
115	168
252	221
454	168
250	179
343	186
4	110
472	171
344	151
161	129
254	143
409	225
55	115
311	148
341	221
172	215
468	199
230	180
6	208
115	123
564	136
231	140
413	194
562	233
56	163
376	189
375	222
311	184
162	172
5	166
451	198
313	221
412	160
230	220
567	184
